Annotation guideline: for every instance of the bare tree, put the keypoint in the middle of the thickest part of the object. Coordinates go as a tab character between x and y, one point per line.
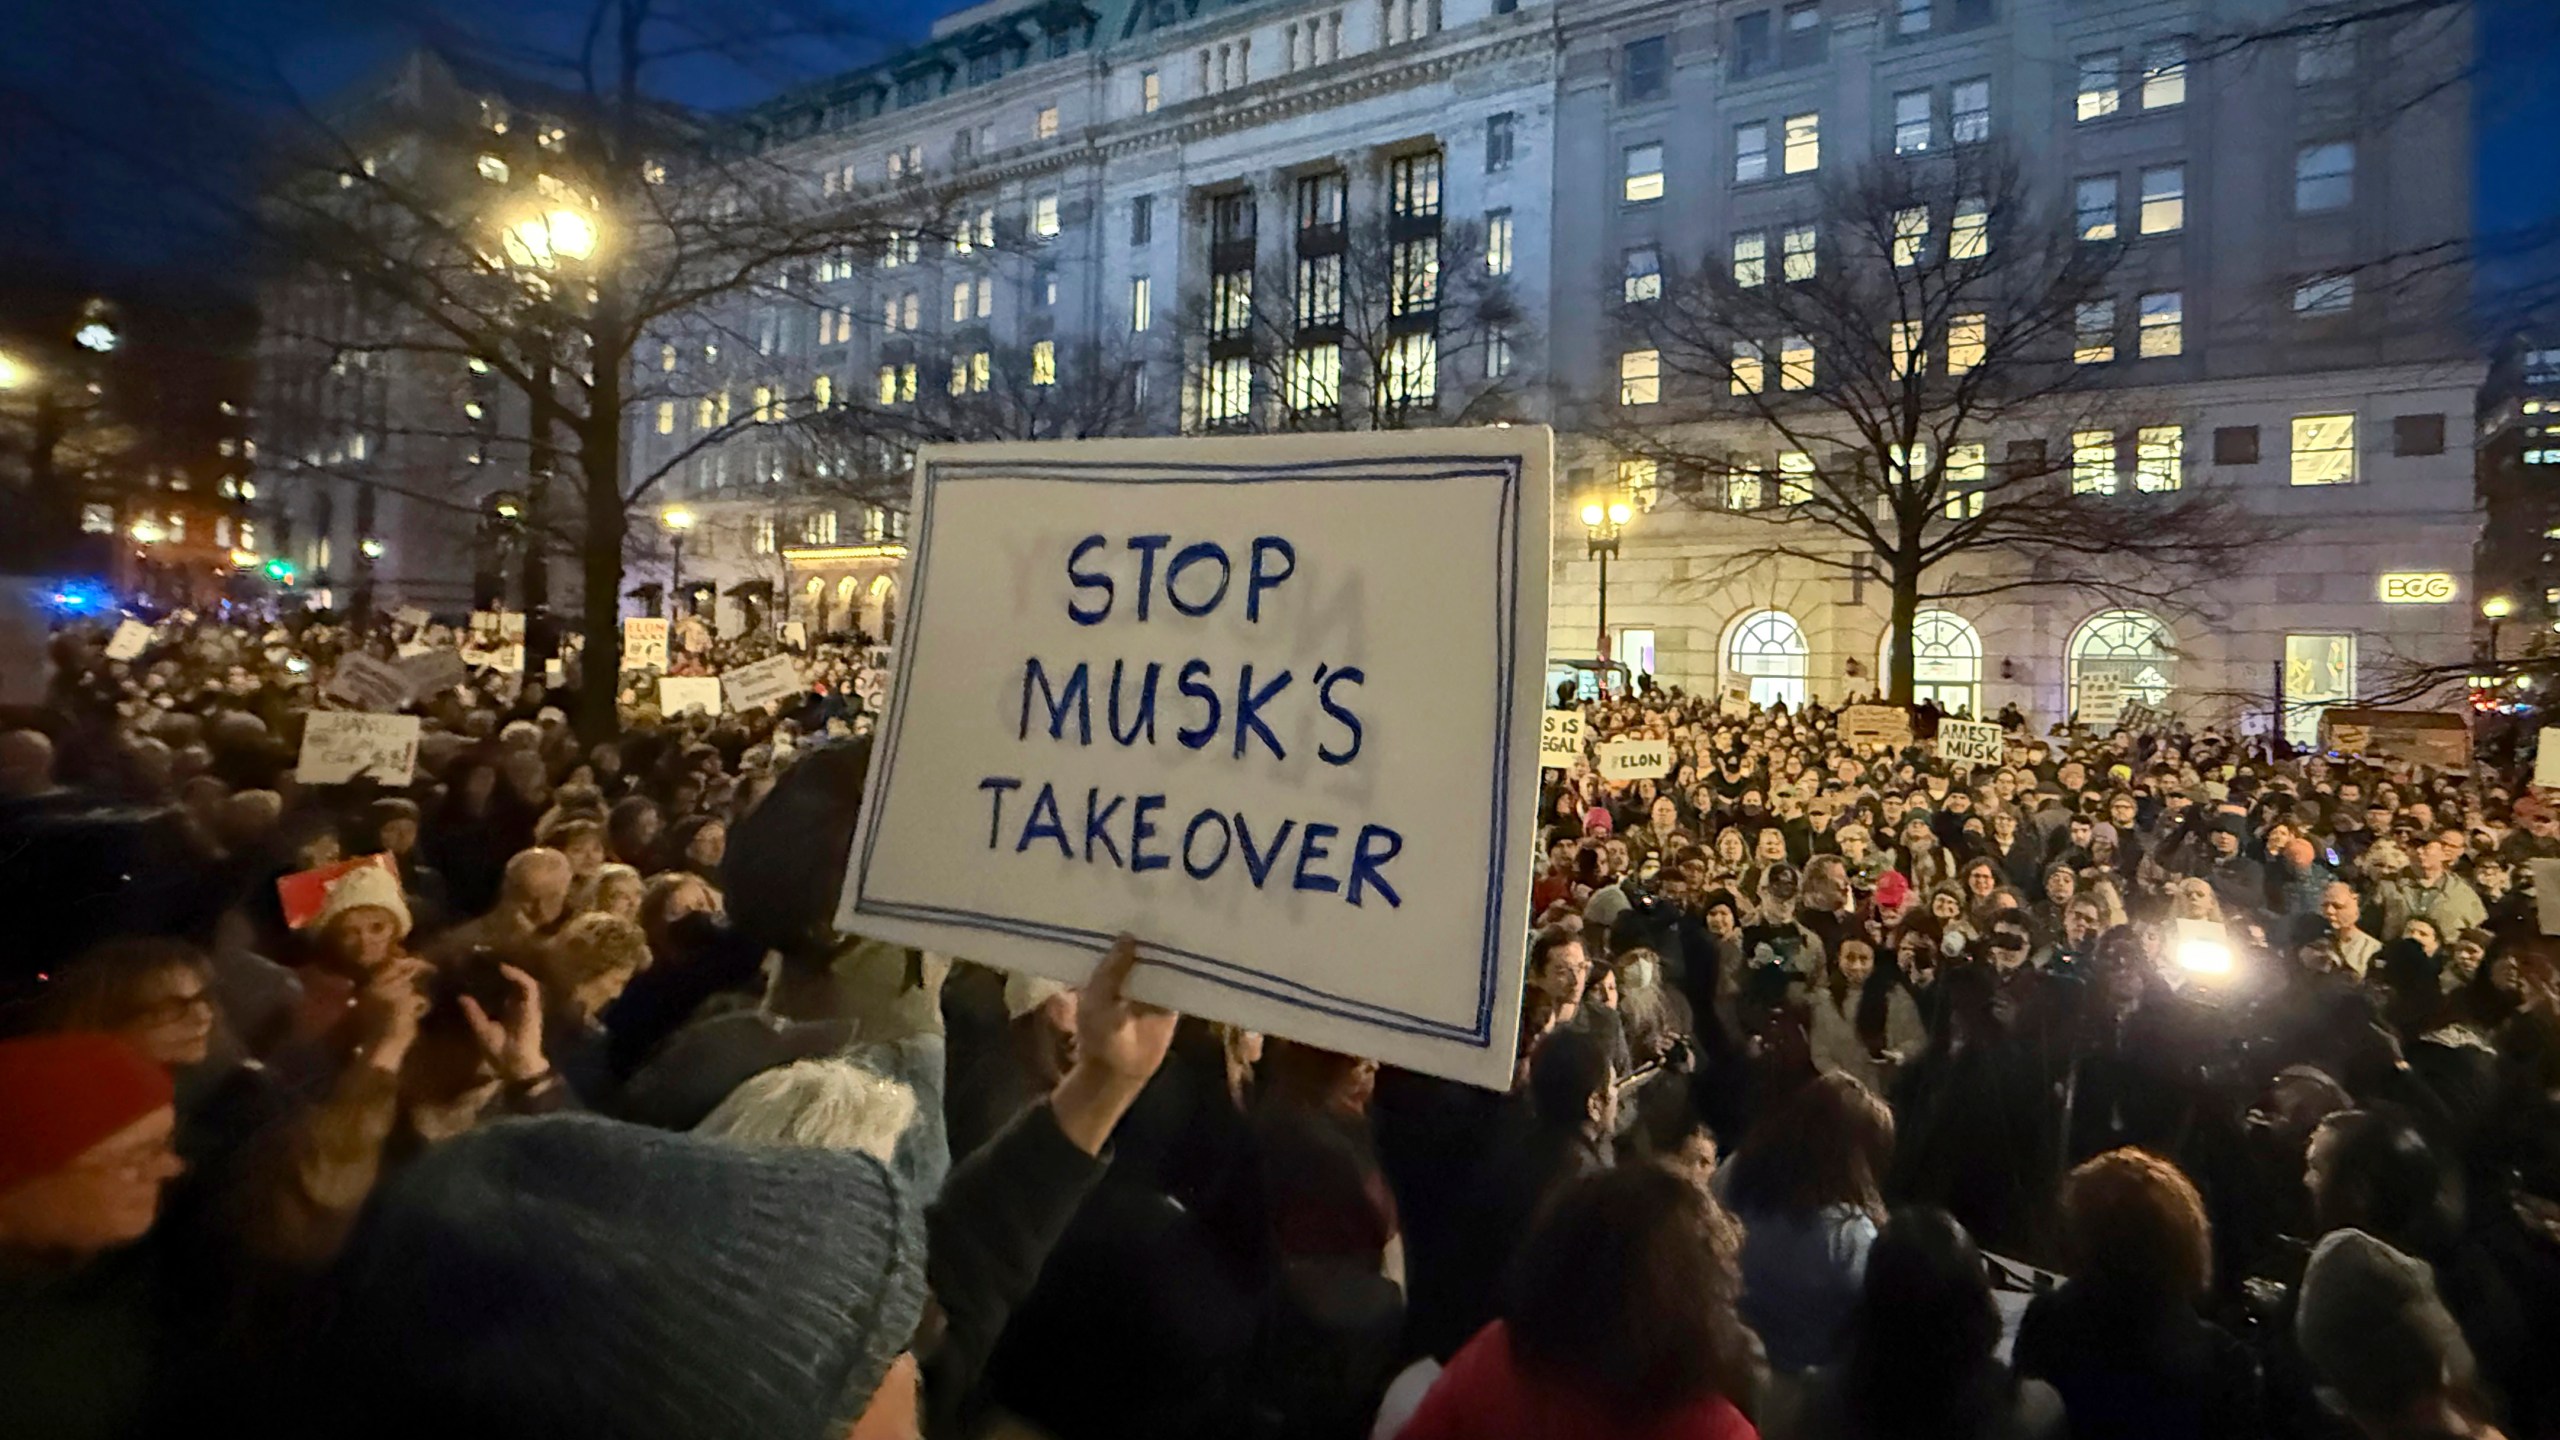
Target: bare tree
1913	349
1377	324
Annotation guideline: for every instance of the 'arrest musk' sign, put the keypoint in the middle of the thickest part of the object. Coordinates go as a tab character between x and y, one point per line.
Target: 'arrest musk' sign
1270	705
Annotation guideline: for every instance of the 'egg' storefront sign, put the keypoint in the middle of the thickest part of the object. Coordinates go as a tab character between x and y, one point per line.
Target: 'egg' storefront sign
2416	587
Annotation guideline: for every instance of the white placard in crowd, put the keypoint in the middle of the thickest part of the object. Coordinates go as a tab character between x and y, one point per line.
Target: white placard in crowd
872	688
504	624
506	659
413	617
1220	694
555	671
369	684
1875	725
2101	702
795	634
1634	759
340	745
644	643
1970	742
2546	760
432	669
1559	739
1734	700
679	693
132	637
774	678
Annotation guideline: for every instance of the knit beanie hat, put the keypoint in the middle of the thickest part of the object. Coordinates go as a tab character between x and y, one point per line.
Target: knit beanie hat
577	1276
60	1095
2369	1321
362	886
1024	993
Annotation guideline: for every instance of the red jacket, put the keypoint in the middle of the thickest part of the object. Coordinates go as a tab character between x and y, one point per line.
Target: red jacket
1483	1396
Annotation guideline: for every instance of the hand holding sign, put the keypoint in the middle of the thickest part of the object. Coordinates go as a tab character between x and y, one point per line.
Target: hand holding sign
340	745
1970	742
1622	760
1560	739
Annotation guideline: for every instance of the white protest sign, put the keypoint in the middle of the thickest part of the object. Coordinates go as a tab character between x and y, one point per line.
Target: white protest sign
1875	725
1635	759
505	659
1970	742
1734	700
2546	760
772	679
432	670
501	624
369	684
132	637
644	644
340	745
413	617
1559	738
795	634
2101	701
679	693
872	687
1270	705
555	671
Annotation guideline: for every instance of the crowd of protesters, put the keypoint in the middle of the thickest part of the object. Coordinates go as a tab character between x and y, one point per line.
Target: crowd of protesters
2153	1084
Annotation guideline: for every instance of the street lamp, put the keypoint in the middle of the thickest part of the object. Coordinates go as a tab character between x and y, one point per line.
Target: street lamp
15	374
678	520
1601	526
2496	608
548	236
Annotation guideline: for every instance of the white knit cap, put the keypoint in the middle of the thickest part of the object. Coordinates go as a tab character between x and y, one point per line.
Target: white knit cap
365	885
1026	993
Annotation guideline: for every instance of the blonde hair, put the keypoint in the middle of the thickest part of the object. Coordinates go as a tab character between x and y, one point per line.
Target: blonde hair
818	1104
591	950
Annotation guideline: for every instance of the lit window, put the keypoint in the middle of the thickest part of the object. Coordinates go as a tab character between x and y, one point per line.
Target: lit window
2094	207
764	535
1497	351
1804	143
97	520
1044	362
764	405
1914	122
1644	172
2101	81
1044	126
1965	470
1750	258
1910	235
2163	325
667	357
2331	295
493	169
1319	295
822	391
986	297
1968	336
1640	377
1904	467
1643	274
2324	176
1800	251
1313	382
1742	488
1150	91
1750	152
1226	390
2094	333
1413	276
1640	480
1044	216
2164	74
2324	449
1907	356
1795	478
1142	305
1413	371
2159	458
1497	242
1795	363
961	290
2164	199
2093	462
1748	368
1969	237
666	417
1969	112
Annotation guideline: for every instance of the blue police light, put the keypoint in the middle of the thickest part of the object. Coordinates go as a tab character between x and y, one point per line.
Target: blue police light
80	597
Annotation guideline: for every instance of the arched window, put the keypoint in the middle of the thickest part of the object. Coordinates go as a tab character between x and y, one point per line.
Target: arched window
1768	646
2131	645
844	590
1946	661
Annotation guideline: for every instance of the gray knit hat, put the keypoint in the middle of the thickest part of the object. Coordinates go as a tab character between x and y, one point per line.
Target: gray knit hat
576	1276
2369	1321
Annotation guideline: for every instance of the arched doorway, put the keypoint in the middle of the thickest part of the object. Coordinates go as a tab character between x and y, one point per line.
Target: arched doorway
1946	661
1769	647
813	607
849	602
2134	646
884	601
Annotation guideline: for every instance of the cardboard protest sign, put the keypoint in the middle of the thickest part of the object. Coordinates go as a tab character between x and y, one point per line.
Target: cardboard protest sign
433	670
132	637
1875	725
1970	742
2102	702
1734	699
1270	705
304	892
795	634
339	745
555	671
679	693
498	624
1635	759
872	688
1559	738
369	684
644	644
413	617
767	681
505	659
2546	760
2415	737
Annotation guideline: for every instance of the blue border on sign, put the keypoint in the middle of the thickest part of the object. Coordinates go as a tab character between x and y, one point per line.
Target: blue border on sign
1231	974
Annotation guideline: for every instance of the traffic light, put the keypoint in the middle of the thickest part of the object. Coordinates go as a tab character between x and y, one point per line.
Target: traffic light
280	570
